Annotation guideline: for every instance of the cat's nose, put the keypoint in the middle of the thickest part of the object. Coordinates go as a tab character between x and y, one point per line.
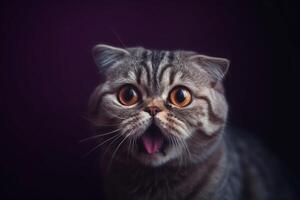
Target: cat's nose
152	110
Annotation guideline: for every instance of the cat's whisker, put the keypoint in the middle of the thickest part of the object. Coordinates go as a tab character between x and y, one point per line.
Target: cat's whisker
98	136
181	154
171	139
182	158
119	145
132	146
134	143
94	122
86	118
176	144
108	147
189	152
118	37
99	145
130	143
105	125
186	150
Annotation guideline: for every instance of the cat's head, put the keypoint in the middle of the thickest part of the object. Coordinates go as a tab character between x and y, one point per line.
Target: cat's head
158	107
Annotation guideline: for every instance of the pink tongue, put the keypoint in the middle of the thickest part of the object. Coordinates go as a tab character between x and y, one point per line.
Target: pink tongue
152	144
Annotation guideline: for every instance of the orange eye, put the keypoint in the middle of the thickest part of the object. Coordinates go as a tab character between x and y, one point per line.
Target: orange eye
128	95
180	97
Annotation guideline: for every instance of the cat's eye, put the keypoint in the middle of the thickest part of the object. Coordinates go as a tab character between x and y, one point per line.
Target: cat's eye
180	97
128	95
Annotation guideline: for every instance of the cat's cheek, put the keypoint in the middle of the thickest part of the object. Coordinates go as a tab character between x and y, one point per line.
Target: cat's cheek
209	128
136	125
171	126
207	121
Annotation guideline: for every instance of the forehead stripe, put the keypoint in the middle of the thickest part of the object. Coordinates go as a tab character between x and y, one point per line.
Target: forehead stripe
138	75
157	57
171	57
146	67
172	77
145	56
164	68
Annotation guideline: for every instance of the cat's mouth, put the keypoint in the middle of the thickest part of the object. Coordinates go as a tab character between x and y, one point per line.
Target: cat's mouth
152	141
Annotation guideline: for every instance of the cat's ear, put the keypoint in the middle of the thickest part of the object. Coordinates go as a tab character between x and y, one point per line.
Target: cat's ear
215	66
106	56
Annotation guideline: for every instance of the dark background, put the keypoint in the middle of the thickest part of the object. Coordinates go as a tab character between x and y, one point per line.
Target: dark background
47	75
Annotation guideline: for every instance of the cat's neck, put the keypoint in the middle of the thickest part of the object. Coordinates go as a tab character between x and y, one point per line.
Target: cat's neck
136	179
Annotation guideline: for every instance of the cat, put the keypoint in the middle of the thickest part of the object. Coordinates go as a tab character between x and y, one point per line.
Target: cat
160	120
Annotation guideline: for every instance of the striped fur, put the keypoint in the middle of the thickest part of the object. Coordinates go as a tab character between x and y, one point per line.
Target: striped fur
197	163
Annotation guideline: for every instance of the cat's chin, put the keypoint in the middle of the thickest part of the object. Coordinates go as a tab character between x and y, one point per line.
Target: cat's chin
154	149
158	158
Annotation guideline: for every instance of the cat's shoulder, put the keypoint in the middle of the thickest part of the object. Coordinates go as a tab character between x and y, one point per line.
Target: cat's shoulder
244	141
261	169
250	148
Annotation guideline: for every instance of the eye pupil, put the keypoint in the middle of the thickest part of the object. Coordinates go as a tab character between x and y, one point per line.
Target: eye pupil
129	94
180	95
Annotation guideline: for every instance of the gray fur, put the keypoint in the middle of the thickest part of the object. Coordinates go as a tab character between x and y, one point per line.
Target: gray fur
203	161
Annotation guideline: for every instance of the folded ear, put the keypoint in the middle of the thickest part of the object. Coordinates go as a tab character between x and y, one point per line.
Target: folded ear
217	67
106	56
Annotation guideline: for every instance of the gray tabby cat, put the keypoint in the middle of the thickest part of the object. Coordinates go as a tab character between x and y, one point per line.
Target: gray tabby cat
160	119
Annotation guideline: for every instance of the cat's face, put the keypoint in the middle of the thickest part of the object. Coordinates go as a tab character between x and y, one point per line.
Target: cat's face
158	106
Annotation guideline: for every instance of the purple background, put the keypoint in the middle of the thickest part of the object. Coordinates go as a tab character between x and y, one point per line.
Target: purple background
47	75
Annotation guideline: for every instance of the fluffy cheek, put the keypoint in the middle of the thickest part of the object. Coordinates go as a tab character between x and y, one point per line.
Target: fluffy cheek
171	125
112	108
203	117
207	124
136	124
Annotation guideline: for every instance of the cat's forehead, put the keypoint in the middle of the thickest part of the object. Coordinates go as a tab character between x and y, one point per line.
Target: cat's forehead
144	62
114	63
155	57
155	70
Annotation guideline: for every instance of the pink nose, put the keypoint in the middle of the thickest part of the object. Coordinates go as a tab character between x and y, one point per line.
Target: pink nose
152	110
